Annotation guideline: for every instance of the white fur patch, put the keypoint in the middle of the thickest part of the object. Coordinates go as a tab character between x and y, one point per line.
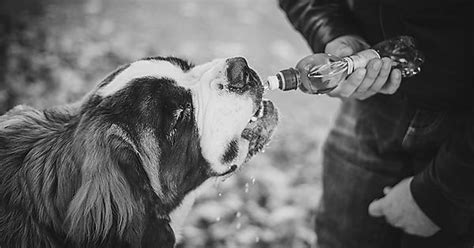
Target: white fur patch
139	69
222	123
221	115
178	215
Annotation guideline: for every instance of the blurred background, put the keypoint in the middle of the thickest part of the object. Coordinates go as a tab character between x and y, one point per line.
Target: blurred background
54	51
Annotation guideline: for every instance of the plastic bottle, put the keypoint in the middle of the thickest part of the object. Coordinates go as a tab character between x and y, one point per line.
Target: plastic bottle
320	73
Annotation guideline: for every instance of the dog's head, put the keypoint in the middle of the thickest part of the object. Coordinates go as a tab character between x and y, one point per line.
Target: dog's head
216	107
169	126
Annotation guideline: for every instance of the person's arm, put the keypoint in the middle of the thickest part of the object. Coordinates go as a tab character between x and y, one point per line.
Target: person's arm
441	196
445	190
320	21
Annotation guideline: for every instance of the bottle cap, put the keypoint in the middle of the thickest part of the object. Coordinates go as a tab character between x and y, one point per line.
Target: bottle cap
289	79
273	82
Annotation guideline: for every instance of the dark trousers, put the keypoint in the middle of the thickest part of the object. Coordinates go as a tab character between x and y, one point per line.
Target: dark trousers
373	144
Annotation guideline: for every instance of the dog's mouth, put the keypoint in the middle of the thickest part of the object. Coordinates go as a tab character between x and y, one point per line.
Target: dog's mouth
258	131
260	128
261	125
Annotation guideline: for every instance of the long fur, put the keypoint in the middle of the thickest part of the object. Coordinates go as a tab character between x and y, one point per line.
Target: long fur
48	169
69	178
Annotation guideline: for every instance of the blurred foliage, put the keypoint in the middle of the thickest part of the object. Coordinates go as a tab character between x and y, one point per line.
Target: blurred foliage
53	52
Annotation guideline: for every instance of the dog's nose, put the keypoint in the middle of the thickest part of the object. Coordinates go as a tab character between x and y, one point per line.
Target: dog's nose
237	72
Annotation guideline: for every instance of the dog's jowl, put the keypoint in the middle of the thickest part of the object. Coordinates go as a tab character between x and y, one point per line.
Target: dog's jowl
109	170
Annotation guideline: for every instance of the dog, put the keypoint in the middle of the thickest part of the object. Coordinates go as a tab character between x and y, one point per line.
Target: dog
110	170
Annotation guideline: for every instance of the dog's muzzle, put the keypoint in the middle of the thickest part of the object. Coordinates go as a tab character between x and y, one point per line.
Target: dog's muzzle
262	124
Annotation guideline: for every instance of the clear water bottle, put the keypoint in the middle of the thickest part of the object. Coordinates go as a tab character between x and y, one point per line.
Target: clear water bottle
320	73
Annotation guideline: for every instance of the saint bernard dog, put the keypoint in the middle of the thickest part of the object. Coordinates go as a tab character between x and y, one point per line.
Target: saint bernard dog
110	170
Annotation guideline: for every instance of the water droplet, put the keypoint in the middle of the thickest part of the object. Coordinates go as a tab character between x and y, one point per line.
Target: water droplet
219	194
263	150
257	239
239	225
238	214
253	180
246	187
218	219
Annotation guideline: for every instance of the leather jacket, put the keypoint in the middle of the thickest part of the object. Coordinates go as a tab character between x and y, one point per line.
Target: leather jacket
443	32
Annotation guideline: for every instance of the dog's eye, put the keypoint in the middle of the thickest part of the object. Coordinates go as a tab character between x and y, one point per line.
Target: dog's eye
175	119
179	115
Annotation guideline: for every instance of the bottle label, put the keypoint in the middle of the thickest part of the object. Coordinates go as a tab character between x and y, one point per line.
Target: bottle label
360	59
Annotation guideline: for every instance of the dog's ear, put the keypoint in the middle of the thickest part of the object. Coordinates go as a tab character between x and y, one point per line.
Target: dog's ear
104	204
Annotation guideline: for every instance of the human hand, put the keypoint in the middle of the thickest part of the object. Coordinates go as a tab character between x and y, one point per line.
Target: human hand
376	77
400	210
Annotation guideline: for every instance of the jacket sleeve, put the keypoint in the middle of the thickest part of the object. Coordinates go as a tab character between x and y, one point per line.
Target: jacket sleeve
320	21
445	189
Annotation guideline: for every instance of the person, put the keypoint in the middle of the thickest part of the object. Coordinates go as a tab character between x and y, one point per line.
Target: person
398	164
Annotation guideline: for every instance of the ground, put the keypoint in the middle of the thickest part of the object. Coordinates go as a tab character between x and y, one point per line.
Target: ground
59	51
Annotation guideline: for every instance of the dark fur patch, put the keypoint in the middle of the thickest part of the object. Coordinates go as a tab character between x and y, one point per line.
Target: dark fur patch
231	152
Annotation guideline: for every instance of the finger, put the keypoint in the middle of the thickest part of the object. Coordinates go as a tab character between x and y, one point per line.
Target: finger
422	233
344	51
382	76
410	230
363	96
387	190
373	69
349	86
393	83
376	208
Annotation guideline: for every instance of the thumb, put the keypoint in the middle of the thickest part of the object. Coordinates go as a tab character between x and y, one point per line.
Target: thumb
376	208
339	47
344	51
